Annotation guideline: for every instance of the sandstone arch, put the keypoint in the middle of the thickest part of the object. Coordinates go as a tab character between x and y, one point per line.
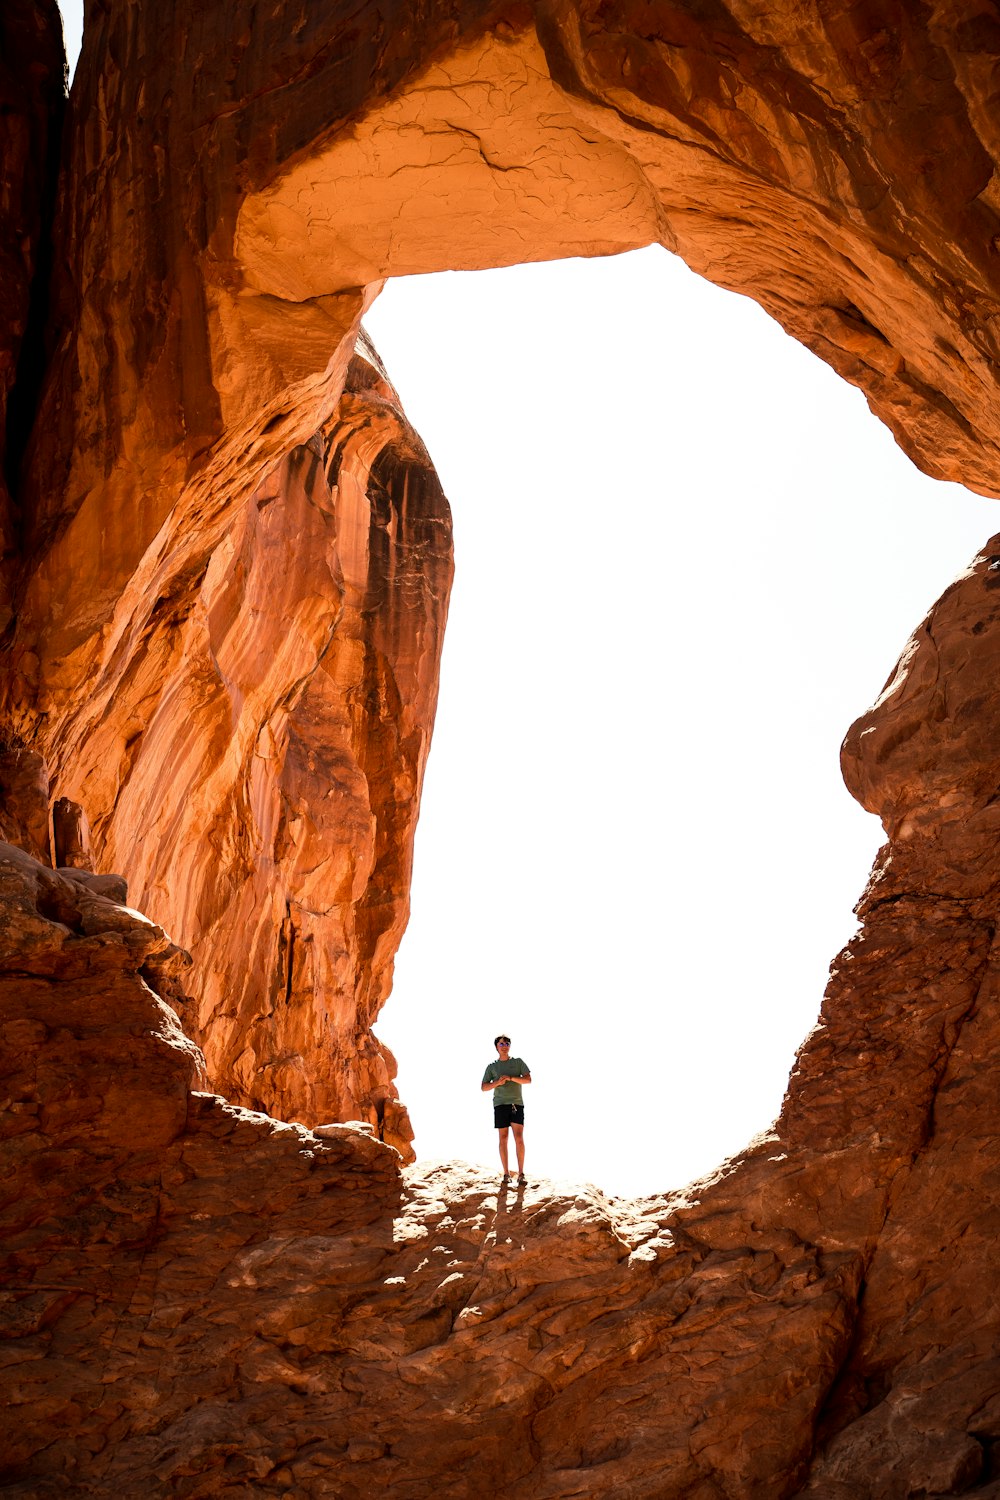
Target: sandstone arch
232	288
234	189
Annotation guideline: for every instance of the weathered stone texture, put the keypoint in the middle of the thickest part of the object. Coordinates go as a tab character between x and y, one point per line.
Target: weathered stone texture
227	222
253	758
224	227
203	1273
228	590
198	1282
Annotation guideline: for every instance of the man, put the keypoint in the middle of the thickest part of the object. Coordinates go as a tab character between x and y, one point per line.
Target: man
503	1079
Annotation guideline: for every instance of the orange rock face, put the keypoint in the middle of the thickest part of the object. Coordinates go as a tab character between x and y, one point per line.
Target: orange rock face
289	688
230	224
227	586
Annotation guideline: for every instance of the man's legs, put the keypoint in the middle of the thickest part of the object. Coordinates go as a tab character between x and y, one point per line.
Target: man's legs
518	1147
503	1133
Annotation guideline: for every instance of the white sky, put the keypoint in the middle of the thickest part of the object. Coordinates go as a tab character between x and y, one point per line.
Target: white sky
688	556
72	18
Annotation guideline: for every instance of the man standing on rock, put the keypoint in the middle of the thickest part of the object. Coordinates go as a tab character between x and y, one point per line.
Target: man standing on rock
504	1079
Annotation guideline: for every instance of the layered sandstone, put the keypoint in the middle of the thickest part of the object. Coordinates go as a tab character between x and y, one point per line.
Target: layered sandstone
253	754
226	599
222	1304
228	224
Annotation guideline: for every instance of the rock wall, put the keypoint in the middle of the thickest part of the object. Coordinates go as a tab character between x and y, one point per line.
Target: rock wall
227	574
214	1302
252	754
221	228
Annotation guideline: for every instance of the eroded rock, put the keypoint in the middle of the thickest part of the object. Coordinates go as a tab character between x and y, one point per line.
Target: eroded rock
232	564
232	419
24	798
72	847
289	689
197	698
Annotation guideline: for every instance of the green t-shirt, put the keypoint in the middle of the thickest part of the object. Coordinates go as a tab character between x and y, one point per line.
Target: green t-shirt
507	1093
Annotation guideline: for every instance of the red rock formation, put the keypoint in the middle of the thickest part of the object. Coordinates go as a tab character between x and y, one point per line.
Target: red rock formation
223	1304
233	571
32	89
230	221
253	758
200	1279
231	231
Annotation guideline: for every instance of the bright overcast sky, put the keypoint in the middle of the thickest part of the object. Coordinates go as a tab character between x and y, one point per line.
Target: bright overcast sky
688	556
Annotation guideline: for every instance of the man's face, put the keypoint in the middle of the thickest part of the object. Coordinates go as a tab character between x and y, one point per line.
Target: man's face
503	1048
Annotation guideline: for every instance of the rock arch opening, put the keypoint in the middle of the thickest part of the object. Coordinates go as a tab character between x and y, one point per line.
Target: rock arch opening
687	557
468	141
214	252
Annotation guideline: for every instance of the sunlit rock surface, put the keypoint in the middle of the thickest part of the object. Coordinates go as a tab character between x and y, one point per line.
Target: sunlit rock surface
253	756
228	564
219	231
213	1302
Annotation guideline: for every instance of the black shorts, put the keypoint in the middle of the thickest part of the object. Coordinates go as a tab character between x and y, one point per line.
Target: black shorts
507	1114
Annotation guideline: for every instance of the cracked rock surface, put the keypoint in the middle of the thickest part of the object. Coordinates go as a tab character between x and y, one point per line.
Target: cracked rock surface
230	568
231	564
220	1303
253	755
226	562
